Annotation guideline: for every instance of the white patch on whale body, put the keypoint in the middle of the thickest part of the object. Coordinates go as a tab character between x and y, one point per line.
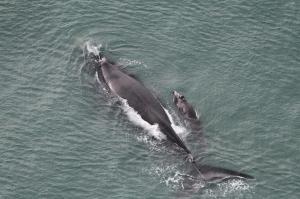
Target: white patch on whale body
111	88
100	83
180	130
137	120
153	130
197	114
97	78
103	60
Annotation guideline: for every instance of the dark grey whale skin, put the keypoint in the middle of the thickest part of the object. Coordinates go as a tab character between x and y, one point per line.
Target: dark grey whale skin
139	98
187	111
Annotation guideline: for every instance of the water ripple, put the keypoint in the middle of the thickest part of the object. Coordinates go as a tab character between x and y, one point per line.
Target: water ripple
237	61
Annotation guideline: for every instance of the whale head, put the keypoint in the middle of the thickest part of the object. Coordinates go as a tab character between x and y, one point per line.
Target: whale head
102	60
178	98
183	106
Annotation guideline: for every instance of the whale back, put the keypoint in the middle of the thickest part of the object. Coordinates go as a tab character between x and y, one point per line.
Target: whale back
141	99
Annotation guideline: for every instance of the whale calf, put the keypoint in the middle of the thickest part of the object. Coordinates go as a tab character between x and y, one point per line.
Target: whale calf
190	116
186	111
185	108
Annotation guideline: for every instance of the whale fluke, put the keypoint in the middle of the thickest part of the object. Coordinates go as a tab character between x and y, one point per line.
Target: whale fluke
212	173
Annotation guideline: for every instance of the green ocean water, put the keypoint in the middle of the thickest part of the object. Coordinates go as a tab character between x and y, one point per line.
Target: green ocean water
236	61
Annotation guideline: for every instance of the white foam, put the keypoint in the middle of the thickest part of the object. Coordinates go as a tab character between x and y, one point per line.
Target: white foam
137	120
97	78
152	129
198	115
235	187
91	48
168	174
175	181
128	62
100	83
180	130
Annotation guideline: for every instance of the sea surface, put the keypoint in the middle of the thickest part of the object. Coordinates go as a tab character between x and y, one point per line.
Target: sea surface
62	136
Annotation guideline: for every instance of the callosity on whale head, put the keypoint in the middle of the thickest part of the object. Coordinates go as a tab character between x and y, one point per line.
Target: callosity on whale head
183	106
177	97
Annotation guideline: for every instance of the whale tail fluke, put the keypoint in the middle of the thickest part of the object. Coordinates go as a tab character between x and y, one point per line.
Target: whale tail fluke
212	173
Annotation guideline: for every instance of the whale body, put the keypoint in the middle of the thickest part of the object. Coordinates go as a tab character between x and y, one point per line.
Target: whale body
138	97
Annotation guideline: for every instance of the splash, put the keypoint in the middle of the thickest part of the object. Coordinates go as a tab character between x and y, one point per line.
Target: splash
90	54
92	48
151	143
180	130
169	175
232	188
127	62
135	118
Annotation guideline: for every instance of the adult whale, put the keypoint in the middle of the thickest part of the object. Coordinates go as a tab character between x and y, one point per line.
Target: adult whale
139	98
